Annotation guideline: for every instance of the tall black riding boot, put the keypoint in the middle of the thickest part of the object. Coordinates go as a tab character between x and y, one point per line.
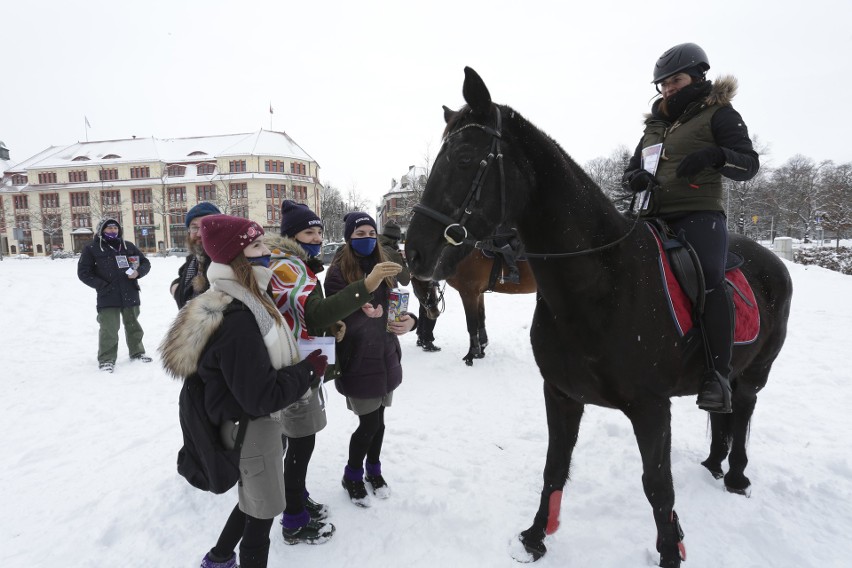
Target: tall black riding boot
513	276
718	327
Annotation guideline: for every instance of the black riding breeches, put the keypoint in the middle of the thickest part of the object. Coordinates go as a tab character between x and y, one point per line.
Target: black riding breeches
707	232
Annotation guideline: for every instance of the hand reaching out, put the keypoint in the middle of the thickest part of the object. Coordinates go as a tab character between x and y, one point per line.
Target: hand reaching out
372	312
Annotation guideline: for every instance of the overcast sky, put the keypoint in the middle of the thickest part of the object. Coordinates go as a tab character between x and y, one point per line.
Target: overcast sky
359	85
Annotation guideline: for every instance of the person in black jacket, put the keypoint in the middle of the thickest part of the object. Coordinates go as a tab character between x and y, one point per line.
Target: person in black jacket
113	266
693	137
234	338
192	276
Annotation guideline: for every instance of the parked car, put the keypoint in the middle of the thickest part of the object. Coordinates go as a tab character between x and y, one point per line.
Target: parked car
177	251
328	252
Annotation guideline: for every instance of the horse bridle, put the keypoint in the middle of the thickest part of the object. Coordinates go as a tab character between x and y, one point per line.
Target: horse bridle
455	231
457	234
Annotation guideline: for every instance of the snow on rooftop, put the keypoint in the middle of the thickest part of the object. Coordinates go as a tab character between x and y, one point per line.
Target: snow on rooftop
260	143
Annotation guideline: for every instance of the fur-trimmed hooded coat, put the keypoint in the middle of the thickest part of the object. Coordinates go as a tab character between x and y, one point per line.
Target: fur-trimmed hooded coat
218	337
698	116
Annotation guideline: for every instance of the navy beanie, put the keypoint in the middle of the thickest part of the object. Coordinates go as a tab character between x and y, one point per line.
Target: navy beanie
392	231
200	210
353	221
296	217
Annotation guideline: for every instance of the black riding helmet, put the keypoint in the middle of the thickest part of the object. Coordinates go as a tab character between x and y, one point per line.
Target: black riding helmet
681	58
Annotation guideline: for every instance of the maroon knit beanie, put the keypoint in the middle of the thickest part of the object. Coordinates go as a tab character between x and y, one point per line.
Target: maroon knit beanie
224	237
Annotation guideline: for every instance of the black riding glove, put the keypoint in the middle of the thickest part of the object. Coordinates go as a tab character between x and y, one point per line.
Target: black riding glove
639	180
709	157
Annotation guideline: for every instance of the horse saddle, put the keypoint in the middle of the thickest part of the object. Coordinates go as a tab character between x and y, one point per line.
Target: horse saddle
497	266
683	285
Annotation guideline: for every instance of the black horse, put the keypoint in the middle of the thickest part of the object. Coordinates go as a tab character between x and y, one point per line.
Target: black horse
602	333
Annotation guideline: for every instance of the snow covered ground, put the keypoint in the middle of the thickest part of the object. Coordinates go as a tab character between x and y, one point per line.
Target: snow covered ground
88	470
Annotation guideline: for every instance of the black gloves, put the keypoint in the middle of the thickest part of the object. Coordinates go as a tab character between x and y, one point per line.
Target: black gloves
709	157
316	362
639	180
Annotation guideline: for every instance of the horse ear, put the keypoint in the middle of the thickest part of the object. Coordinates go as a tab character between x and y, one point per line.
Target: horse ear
475	92
448	114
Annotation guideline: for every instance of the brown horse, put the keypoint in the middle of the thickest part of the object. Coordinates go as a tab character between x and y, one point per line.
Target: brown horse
472	280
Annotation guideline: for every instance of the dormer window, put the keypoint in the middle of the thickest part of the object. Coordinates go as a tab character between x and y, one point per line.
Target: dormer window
111	157
206	169
81	159
177	171
197	153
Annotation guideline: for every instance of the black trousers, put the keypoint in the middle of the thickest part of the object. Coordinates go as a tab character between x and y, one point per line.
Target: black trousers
366	441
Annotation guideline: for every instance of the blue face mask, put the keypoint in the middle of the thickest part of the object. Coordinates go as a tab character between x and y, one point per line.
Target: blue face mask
312	250
363	246
259	260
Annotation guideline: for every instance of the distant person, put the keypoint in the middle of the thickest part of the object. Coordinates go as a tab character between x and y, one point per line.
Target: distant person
694	137
369	356
425	324
296	290
233	337
112	266
192	276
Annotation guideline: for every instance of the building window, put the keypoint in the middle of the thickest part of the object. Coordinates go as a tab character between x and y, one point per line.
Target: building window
81	159
2	216
81	220
141	195
49	200
79	198
107	174
239	199
274	166
20	202
111	199
275	193
111	157
300	192
47	177
237	165
205	192
177	205
206	169
143	217
298	168
18	179
140	172
177	171
78	176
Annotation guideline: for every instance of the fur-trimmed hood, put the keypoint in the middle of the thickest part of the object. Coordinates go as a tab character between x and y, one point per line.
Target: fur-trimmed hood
281	245
193	327
722	92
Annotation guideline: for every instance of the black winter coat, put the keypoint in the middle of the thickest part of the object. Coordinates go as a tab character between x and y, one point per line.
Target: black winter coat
185	291
99	268
369	355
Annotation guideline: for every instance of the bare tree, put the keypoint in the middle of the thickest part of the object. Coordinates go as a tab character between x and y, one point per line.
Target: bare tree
333	209
797	194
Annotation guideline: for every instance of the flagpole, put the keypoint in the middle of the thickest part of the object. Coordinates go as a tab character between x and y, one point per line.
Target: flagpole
270	115
86	126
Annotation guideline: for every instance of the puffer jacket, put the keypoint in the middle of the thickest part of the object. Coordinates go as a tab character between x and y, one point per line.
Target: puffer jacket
706	119
369	356
103	266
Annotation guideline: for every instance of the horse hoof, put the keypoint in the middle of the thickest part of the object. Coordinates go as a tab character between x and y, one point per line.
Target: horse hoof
479	356
527	549
715	471
745	492
468	361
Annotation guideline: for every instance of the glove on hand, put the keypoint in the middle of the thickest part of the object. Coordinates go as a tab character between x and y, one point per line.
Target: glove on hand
709	157
317	363
381	271
639	180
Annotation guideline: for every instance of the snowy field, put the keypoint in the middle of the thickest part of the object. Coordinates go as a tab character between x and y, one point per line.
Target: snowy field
88	470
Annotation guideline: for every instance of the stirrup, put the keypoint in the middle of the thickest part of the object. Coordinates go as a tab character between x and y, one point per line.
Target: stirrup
715	393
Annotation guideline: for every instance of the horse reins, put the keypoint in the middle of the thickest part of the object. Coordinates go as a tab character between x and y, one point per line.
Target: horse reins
455	231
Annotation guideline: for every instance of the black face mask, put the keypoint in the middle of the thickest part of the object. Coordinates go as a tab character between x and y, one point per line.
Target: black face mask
678	102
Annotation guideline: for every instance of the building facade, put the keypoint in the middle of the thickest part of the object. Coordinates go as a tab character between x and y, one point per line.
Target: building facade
404	194
55	199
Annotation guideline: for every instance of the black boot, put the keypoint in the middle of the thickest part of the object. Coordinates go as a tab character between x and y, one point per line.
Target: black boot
513	276
255	557
717	325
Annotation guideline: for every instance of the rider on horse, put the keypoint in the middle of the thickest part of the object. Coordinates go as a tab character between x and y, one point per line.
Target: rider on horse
697	137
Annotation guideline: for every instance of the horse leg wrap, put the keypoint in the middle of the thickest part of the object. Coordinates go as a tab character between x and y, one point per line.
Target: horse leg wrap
554	504
672	534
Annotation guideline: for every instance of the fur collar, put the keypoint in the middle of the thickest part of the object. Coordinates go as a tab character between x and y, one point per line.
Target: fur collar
283	246
193	327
